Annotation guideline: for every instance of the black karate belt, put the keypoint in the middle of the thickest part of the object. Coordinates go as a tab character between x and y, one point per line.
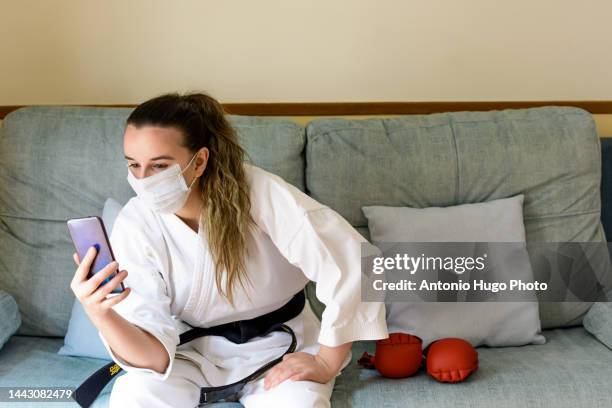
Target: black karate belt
239	331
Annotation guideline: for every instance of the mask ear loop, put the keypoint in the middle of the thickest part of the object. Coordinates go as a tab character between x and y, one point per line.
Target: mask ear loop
189	164
194	180
186	167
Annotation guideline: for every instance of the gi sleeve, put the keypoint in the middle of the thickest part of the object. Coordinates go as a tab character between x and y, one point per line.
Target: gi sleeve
327	249
148	305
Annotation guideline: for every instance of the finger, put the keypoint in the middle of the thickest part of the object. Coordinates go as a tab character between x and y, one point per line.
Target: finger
76	259
96	280
113	300
271	376
289	356
85	266
284	375
289	364
281	375
298	377
109	286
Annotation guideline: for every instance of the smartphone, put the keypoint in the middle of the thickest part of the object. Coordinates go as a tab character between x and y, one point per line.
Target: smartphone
87	232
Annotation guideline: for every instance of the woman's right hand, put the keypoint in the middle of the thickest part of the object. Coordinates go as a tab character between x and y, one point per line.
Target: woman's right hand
93	298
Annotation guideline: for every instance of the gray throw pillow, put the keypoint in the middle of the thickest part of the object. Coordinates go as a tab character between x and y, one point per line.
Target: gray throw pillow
480	323
11	319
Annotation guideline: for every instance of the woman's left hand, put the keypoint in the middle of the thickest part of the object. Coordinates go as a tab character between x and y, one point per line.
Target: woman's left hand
299	366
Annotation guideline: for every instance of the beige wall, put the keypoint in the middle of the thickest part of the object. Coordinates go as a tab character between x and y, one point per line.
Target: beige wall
124	51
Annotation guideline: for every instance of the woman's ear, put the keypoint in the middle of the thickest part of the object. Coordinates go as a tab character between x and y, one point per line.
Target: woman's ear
201	161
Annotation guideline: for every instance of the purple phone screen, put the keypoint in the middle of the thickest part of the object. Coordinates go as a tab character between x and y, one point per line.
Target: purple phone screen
87	232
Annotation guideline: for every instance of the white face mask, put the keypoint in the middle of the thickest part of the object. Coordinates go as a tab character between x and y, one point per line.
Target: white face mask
164	192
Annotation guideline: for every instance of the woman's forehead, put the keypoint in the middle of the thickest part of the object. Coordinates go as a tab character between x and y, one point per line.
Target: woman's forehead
150	141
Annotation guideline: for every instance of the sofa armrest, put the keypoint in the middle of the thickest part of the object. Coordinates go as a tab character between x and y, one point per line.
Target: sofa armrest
598	322
11	318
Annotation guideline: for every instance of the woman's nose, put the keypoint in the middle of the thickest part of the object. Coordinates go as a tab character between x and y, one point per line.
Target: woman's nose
140	173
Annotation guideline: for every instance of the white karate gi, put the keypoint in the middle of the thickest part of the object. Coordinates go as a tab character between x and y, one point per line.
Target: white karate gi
171	275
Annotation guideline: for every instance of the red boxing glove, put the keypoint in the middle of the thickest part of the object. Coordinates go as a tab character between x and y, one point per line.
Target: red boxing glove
400	355
451	360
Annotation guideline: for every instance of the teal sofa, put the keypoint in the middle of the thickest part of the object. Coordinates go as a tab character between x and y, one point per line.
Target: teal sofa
62	162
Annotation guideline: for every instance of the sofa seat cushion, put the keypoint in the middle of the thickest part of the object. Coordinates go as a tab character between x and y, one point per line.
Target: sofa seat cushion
572	369
34	362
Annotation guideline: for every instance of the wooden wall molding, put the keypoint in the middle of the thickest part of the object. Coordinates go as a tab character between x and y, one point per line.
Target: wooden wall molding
375	108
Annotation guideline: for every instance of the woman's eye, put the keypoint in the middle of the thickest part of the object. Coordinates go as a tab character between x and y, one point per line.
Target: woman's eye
160	166
133	165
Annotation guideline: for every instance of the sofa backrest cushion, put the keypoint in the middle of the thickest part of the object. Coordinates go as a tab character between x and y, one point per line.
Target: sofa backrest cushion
64	162
550	154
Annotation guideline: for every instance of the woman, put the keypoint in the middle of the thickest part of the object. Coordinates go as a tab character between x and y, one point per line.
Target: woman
210	239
